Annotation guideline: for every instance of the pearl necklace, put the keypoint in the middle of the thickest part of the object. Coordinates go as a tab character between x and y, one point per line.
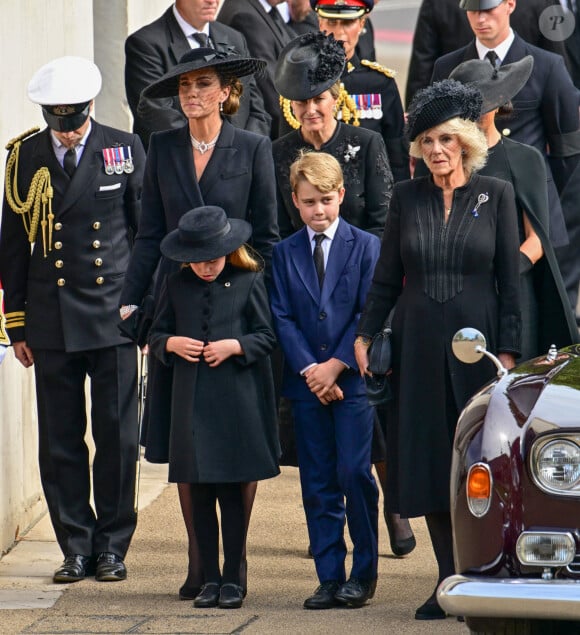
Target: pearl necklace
201	146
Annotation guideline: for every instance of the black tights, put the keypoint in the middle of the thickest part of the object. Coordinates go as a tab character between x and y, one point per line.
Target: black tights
439	525
233	525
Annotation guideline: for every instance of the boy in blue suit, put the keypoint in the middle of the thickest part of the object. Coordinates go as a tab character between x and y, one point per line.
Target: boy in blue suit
318	290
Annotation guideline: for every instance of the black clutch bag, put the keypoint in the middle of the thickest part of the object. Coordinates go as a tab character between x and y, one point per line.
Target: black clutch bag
136	327
378	385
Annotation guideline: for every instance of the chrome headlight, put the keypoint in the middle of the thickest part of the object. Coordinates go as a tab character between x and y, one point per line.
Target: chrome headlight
556	465
546	549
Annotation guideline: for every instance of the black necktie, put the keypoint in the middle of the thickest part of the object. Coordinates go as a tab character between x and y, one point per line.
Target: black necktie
318	256
202	39
70	162
493	58
278	19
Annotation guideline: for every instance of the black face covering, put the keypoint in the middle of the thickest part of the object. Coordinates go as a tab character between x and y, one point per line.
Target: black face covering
66	118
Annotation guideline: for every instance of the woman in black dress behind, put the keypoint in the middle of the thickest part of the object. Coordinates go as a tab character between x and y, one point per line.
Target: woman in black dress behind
547	317
449	259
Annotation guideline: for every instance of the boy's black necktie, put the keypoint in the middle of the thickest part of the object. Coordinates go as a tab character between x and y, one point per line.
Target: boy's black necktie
318	255
493	58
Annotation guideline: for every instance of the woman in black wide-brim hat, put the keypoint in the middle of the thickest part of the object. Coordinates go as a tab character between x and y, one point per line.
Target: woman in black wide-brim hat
308	77
547	317
213	326
206	162
449	258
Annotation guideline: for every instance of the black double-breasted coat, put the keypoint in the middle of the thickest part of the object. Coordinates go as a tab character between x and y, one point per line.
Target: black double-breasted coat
223	419
442	277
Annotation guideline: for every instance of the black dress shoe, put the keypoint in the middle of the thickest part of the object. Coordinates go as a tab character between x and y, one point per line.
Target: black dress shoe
323	597
187	592
399	546
356	592
208	596
231	596
110	568
430	610
73	569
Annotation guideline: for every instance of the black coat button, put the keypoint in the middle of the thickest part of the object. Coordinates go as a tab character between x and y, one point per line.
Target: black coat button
323	347
322	316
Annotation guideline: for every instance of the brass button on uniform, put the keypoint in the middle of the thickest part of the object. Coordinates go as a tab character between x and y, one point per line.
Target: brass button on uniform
60	282
58	245
97	225
96	244
98	262
100	280
58	226
59	264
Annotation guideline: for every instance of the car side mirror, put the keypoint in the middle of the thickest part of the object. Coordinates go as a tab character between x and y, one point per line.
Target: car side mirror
469	346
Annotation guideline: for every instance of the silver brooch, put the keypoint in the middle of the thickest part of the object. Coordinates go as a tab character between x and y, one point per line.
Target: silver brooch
351	152
481	199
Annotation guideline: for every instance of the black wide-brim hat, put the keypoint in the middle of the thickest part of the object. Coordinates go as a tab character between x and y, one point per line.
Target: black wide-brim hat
441	102
205	233
497	85
309	65
225	62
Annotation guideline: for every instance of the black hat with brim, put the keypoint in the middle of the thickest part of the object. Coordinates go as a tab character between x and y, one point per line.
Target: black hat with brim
441	102
225	62
497	85
309	65
342	9
205	233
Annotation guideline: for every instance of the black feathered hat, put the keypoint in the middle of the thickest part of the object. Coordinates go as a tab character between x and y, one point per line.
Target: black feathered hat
440	102
309	65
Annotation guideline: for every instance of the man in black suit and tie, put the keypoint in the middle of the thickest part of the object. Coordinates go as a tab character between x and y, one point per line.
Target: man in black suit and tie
545	115
157	47
62	301
264	24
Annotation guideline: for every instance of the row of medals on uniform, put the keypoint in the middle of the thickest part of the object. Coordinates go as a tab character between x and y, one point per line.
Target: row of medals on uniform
369	106
118	159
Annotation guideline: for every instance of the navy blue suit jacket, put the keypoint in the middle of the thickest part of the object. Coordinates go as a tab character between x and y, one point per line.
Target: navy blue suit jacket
316	324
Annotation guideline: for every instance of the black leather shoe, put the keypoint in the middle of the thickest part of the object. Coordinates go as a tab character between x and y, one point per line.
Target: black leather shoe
187	592
395	524
430	610
356	592
110	568
73	569
323	597
231	596
208	596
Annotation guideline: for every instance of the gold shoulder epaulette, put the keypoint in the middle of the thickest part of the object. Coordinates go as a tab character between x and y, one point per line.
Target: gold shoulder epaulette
22	136
375	66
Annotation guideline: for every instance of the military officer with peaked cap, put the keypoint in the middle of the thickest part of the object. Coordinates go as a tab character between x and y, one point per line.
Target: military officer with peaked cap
371	85
70	211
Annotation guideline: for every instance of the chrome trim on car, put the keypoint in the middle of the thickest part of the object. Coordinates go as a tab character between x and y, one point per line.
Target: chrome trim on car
510	597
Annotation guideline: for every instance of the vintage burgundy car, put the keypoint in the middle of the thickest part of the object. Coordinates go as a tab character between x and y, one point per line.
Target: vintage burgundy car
515	497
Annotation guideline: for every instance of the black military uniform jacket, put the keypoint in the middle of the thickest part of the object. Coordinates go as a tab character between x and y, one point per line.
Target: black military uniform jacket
377	97
69	299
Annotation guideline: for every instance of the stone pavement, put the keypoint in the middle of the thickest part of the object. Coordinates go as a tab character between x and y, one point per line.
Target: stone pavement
280	577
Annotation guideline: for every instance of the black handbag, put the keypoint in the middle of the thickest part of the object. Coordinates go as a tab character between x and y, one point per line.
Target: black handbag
136	327
378	386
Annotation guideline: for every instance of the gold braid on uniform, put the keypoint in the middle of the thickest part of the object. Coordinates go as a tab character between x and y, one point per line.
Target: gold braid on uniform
38	200
344	104
389	72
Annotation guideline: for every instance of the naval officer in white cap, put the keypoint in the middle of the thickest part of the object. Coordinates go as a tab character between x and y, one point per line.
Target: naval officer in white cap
70	211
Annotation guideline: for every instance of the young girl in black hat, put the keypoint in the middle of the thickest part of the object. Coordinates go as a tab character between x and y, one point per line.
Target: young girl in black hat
213	325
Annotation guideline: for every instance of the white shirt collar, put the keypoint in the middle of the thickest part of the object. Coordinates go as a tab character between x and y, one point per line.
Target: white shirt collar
329	232
282	7
187	29
501	49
